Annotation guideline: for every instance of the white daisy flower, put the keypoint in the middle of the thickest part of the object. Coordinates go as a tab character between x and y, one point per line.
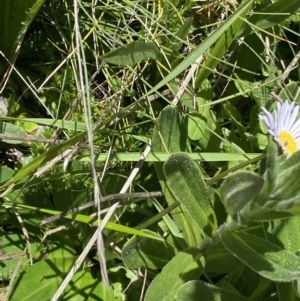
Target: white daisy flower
284	126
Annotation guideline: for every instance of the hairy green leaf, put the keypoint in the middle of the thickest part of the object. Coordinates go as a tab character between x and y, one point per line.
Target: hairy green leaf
185	266
263	257
187	184
192	290
238	189
144	252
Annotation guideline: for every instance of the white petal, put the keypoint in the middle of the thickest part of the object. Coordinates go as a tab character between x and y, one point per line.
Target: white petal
293	118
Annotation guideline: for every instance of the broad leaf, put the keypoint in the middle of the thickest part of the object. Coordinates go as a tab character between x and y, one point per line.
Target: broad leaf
183	267
194	289
286	291
170	136
144	252
41	280
238	189
263	257
11	129
187	184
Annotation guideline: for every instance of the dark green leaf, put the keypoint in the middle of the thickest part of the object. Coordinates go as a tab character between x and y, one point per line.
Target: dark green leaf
220	260
286	291
177	41
41	280
290	91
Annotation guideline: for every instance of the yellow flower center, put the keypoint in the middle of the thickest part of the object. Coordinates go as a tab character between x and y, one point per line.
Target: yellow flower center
287	142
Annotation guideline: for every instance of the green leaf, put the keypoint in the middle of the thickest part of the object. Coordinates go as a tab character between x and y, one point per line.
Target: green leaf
194	289
86	285
284	233
238	189
170	133
41	280
271	167
63	124
220	260
11	129
286	291
183	267
187	184
132	53
144	252
235	116
12	244
5	174
285	194
263	257
170	136
202	124
163	156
